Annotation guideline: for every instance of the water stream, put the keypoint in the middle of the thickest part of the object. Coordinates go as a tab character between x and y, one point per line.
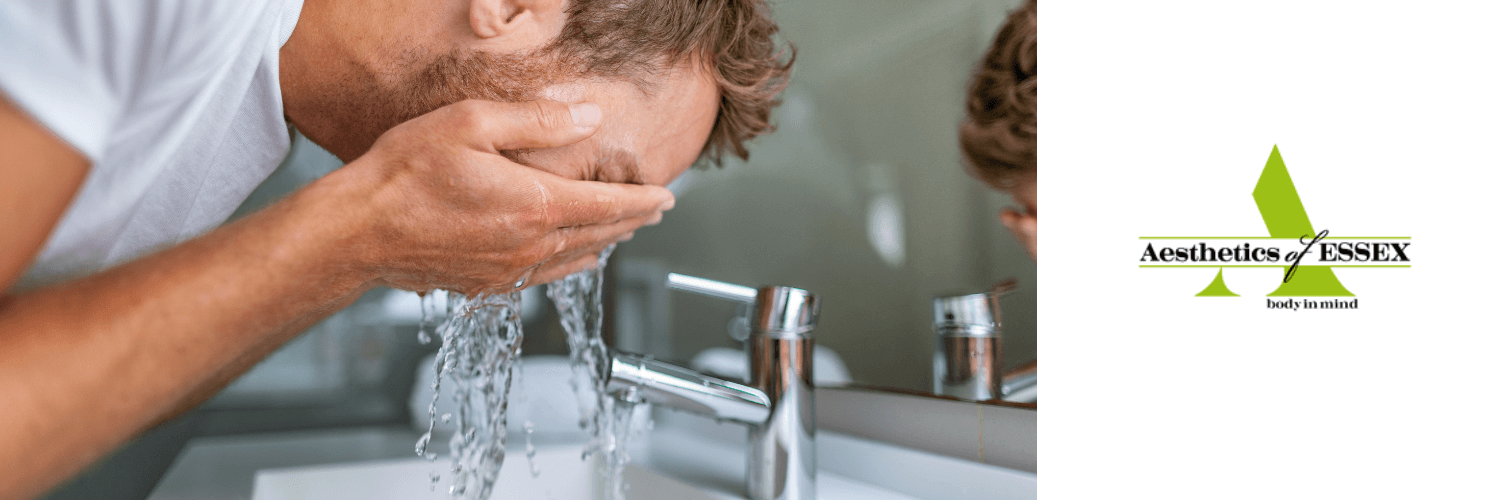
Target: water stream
481	341
607	420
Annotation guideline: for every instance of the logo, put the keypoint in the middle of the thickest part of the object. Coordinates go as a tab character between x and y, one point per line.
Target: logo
1307	257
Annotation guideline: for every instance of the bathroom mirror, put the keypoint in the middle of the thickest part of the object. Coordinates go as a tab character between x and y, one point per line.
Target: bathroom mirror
860	196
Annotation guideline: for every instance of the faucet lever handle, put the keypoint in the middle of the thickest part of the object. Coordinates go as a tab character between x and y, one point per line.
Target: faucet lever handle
711	288
778	310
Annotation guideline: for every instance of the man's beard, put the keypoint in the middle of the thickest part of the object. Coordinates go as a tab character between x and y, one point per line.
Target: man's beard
368	109
457	76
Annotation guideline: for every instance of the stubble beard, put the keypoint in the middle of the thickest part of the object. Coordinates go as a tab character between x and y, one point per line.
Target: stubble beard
362	109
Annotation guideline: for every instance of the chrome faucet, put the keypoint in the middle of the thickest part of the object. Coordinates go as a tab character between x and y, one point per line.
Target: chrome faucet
967	359
778	403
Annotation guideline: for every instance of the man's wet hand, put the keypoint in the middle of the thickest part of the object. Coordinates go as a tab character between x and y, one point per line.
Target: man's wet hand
441	208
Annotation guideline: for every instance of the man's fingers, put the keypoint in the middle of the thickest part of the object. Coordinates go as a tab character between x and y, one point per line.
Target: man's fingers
498	126
587	241
555	273
583	203
595	237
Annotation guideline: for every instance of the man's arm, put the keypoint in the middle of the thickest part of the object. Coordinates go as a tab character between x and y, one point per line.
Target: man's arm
39	174
87	364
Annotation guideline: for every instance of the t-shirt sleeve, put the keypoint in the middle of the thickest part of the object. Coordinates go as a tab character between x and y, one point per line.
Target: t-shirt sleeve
70	64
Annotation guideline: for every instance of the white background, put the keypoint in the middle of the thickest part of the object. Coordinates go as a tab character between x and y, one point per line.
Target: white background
1158	118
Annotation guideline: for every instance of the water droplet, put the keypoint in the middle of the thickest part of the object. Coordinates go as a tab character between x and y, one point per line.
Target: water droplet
422	443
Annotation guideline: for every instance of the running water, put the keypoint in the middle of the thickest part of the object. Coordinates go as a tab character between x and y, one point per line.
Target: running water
622	425
481	343
607	420
527	428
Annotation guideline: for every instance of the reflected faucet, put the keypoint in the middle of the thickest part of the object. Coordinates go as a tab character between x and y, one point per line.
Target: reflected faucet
778	403
967	358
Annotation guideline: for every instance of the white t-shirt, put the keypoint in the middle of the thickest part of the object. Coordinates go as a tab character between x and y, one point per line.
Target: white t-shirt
176	104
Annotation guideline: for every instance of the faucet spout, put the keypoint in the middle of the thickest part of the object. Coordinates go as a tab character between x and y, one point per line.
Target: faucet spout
643	379
777	406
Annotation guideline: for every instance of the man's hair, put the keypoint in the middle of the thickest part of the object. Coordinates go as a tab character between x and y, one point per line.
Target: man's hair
638	41
999	134
734	39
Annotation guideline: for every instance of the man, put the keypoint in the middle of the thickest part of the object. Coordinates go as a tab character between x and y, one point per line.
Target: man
130	128
999	134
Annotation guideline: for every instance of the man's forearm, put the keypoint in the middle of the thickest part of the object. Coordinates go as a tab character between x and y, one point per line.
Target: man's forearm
87	364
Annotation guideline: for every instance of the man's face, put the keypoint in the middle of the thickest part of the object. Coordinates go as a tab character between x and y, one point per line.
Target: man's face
656	120
651	131
372	71
1022	222
646	137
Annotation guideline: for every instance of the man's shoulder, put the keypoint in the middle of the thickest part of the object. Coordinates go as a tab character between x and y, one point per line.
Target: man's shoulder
82	63
176	104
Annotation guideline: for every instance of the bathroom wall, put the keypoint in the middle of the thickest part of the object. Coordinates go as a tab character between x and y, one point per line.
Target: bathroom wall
860	197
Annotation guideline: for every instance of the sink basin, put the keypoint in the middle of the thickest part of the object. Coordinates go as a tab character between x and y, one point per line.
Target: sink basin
693	468
563	476
712	457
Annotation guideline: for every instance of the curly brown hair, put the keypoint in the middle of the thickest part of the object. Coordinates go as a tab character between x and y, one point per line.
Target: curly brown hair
999	134
734	38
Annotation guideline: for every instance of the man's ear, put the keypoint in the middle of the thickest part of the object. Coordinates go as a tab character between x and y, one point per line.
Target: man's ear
493	18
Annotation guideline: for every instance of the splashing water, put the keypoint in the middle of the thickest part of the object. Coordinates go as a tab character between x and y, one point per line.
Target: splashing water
428	306
606	419
531	450
622	425
528	429
580	308
481	343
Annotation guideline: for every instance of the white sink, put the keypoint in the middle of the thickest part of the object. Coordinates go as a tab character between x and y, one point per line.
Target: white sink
850	469
563	477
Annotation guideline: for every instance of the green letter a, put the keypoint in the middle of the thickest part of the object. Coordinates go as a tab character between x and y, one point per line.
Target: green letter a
1282	210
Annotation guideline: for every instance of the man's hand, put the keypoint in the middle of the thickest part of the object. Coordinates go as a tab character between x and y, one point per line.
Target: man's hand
446	210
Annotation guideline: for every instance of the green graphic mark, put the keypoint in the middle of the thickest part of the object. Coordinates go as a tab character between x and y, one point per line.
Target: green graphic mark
1285	217
1217	288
